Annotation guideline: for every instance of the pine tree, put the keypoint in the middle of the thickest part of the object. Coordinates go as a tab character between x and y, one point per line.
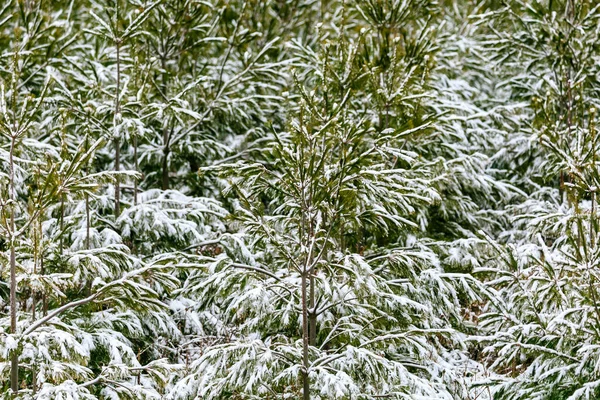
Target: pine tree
330	199
328	293
542	314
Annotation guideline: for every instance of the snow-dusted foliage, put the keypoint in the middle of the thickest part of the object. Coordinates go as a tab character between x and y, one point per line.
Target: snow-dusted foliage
541	316
299	199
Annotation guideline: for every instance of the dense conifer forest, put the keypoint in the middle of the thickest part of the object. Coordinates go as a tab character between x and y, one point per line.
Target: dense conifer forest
299	199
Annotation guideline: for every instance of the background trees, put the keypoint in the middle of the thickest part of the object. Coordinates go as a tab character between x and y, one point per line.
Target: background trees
298	199
546	280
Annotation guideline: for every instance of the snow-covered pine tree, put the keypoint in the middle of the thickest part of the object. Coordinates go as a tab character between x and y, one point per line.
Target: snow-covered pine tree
78	296
213	83
360	161
335	289
542	314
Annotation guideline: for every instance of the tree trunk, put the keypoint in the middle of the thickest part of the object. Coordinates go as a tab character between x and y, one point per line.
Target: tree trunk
14	361
312	317
165	163
166	134
135	166
117	120
44	296
305	377
62	224
36	256
87	205
135	190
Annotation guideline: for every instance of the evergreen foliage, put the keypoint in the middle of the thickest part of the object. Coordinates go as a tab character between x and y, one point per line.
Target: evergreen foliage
299	199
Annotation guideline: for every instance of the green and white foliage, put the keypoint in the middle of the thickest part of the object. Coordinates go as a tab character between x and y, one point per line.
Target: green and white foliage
542	310
333	199
88	311
335	288
214	84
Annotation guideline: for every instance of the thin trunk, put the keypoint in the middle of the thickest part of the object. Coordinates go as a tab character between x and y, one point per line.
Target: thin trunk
592	222
87	206
387	115
592	129
87	222
14	362
117	183
117	120
62	222
305	377
135	190
37	239
35	269
312	318
312	323
165	163
166	135
62	229
33	379
44	296
135	165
